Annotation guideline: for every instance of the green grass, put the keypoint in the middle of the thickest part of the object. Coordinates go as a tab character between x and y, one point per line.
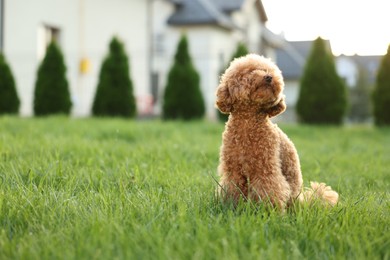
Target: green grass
118	189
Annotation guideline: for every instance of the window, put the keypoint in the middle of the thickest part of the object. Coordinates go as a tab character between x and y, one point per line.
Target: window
154	86
1	25
159	44
46	34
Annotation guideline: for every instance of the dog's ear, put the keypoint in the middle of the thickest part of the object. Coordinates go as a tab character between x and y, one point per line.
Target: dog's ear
224	100
276	110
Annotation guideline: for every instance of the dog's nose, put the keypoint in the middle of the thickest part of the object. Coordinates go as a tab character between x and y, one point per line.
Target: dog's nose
268	78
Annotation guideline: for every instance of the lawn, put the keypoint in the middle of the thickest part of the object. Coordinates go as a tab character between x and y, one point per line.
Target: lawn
120	189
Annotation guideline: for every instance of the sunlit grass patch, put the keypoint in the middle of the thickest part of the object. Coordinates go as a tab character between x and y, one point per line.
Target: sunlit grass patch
113	188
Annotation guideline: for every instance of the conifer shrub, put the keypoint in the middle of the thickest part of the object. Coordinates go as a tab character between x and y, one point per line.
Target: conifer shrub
322	97
381	93
51	95
183	97
241	50
114	93
9	100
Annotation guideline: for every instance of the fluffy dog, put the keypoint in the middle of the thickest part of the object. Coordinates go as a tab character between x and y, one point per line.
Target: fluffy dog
257	160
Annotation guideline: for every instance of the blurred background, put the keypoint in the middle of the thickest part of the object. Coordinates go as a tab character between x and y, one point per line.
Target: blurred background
150	31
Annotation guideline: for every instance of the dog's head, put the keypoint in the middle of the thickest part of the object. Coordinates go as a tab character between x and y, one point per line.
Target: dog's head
251	83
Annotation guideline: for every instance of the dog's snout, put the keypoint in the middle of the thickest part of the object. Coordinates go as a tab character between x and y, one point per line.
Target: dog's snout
268	78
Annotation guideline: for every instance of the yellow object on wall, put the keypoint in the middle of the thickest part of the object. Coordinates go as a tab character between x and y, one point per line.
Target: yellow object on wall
85	65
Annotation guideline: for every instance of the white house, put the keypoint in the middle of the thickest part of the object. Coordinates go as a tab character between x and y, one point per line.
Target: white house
214	28
83	29
149	29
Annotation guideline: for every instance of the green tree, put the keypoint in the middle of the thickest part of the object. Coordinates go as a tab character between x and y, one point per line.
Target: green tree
381	94
52	94
240	51
114	94
359	96
322	97
183	97
9	100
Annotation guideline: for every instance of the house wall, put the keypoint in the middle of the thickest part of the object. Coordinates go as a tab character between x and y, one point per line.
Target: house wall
248	19
222	45
347	69
291	90
86	28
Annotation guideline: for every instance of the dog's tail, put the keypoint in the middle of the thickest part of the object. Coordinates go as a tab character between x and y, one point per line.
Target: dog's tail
319	192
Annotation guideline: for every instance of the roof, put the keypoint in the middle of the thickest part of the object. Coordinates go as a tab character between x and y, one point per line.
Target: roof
274	40
215	12
292	58
229	6
192	12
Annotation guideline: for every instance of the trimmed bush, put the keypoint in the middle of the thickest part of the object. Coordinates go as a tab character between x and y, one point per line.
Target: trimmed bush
381	94
183	97
114	94
241	50
52	94
9	100
322	97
